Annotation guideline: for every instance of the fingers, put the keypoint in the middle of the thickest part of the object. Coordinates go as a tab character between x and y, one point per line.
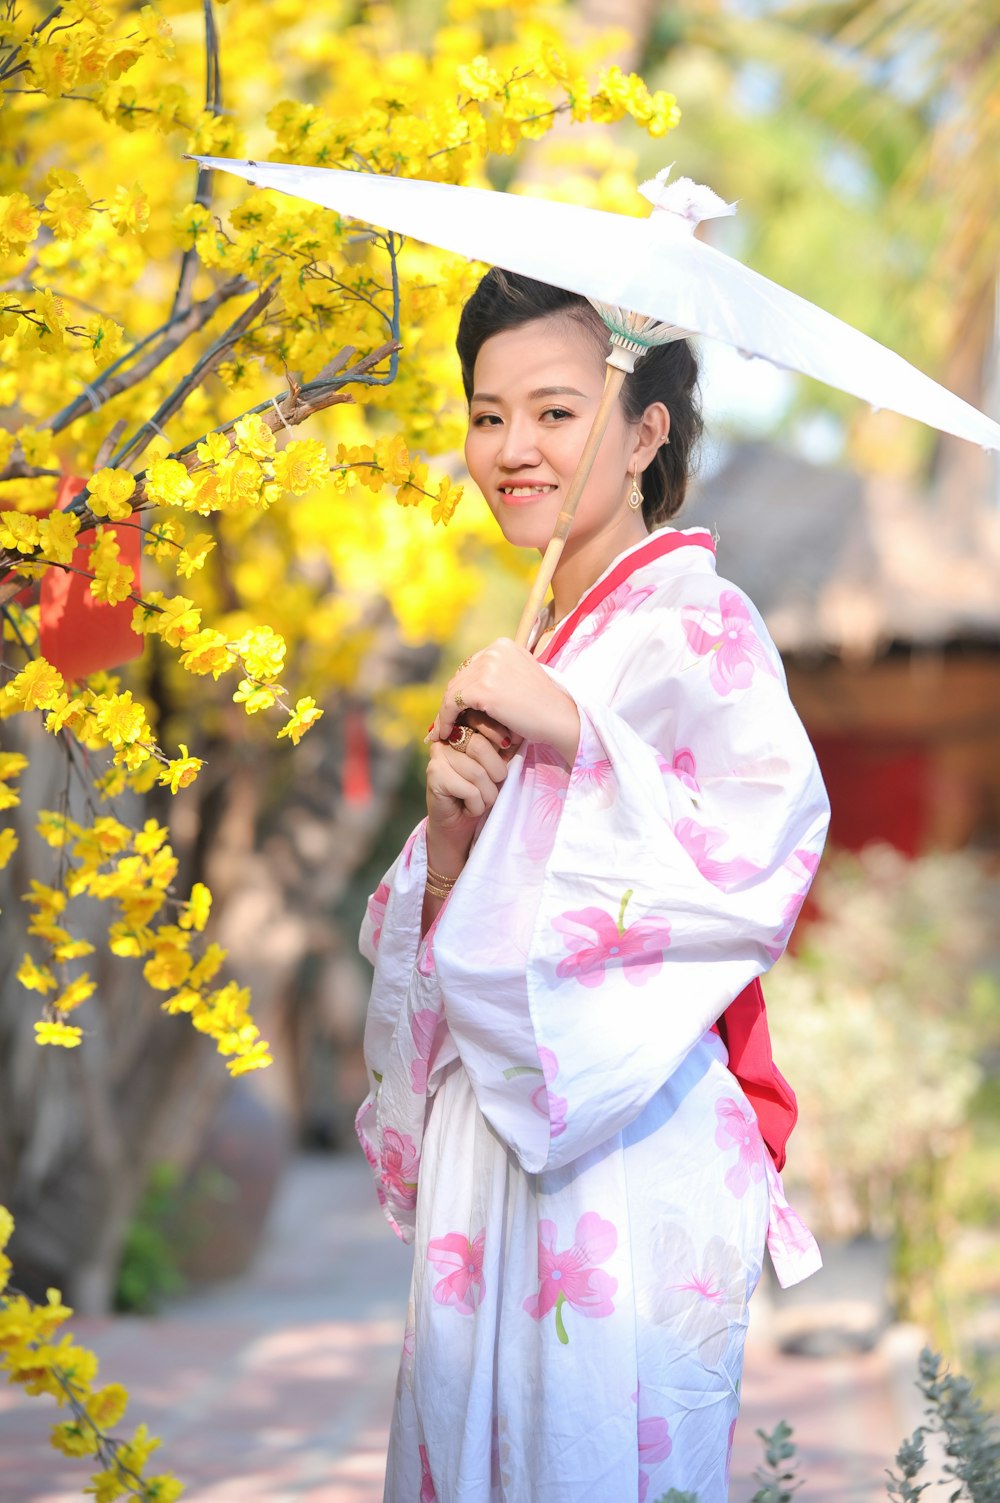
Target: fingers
499	735
482	750
464	778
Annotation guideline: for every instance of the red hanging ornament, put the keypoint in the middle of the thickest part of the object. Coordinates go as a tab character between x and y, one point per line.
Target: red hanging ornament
78	634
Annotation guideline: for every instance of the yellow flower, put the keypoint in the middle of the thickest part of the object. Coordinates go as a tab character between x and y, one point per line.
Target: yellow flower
36	446
19	221
170	962
62	1034
208	965
37	686
253	436
8	845
50	309
197	908
72	949
302	465
207	651
19	531
11	763
305	714
180	618
74	1439
168	482
110	491
213	448
120	719
150	838
164	540
57	536
263	652
253	697
163	1488
129	210
6	1226
107	1405
258	1057
182	771
78	991
112	581
36	978
193	555
67	205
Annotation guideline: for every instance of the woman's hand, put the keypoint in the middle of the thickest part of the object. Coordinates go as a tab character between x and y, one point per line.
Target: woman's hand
507	683
462	786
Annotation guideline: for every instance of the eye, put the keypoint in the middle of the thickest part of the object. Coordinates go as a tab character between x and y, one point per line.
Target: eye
556	413
484	420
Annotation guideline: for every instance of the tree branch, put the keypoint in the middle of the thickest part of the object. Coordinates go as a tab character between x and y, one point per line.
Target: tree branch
287	411
106	387
195	377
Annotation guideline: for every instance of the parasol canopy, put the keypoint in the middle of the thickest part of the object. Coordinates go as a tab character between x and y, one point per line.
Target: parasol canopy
654	266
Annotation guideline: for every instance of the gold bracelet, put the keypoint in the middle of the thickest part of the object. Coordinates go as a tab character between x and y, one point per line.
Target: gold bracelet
437	892
446	882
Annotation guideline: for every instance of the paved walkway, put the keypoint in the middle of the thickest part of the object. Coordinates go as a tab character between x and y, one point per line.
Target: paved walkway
278	1388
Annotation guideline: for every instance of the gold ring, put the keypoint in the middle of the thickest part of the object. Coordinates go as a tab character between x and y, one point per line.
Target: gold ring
459	701
464	664
462	743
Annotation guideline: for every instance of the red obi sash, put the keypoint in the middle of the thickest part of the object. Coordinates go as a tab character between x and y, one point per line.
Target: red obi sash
743	1030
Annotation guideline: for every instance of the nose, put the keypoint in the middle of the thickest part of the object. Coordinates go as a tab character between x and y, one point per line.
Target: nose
520	445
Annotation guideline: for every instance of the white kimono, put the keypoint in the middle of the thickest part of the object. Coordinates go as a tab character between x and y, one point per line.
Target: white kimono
551	1120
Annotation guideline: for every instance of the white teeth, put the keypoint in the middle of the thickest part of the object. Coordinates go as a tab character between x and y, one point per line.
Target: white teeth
526	490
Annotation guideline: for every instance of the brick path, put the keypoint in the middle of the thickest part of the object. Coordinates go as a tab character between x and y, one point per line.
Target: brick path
277	1389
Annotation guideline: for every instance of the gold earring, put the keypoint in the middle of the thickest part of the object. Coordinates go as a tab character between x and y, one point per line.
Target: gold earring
635	493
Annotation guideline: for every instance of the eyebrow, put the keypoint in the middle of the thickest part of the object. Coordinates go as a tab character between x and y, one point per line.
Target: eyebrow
541	391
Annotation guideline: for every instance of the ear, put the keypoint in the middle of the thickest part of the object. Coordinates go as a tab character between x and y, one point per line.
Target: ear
652	432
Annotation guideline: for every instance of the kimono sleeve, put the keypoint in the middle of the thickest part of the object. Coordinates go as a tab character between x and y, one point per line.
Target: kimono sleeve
390	941
687	834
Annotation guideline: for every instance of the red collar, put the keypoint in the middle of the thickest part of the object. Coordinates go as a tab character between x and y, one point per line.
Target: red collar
654	547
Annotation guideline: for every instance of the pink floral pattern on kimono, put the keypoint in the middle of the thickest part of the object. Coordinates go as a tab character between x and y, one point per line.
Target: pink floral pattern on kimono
788	1237
377	905
366	1113
594	775
549	782
428	1492
700	841
422	1027
655	1445
596	940
801	864
461	1261
698	1295
736	650
683	768
572	1277
625	599
545	1101
400	1164
738	1129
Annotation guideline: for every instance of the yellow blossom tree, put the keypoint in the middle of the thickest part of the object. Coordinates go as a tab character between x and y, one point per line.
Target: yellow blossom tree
164	339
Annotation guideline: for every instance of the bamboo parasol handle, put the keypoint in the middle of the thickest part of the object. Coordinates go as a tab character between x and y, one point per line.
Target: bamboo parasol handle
612	387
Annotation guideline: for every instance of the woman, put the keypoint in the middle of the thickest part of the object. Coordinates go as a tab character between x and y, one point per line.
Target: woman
611	857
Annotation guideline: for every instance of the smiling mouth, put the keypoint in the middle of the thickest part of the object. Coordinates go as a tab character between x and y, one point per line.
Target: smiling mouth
523	492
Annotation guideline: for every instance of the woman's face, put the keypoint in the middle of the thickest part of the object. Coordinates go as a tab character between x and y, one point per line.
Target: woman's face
536	391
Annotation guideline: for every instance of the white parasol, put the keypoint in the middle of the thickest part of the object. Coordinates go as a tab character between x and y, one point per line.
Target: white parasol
652	280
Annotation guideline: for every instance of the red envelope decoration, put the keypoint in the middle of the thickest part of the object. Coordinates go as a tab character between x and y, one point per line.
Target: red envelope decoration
81	635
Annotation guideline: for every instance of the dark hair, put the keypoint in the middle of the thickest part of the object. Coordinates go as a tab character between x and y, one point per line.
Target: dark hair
668	374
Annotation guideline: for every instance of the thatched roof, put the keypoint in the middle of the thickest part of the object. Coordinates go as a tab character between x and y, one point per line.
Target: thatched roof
848	566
